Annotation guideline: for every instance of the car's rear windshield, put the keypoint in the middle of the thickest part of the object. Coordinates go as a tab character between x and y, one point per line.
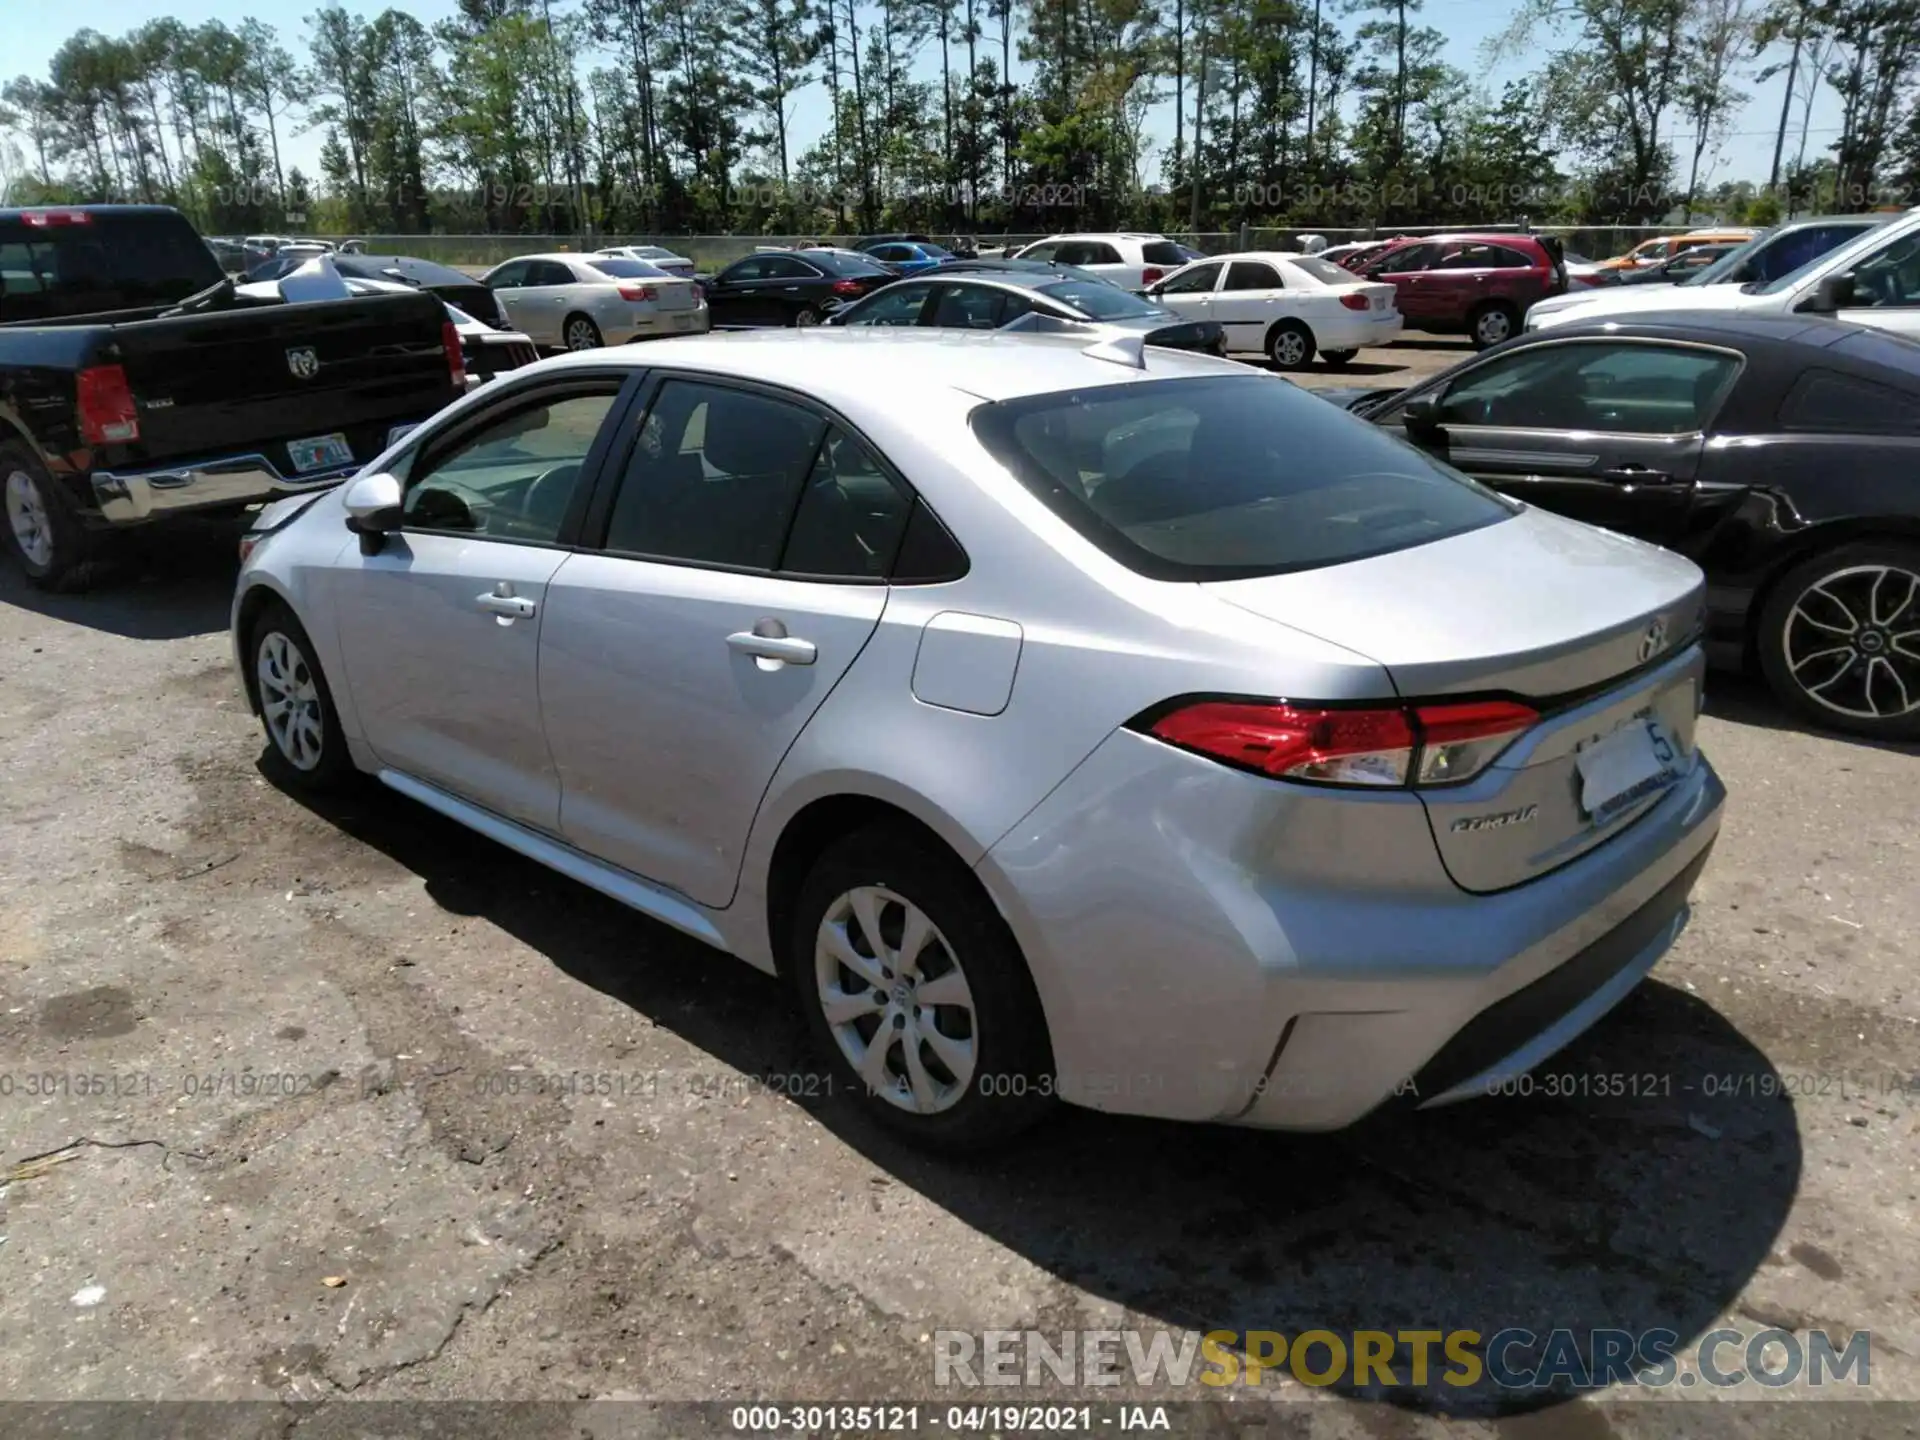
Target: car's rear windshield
107	261
1224	477
1325	271
627	269
838	264
1097	299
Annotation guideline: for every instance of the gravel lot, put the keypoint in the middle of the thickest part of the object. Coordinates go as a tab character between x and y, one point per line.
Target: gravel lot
296	1046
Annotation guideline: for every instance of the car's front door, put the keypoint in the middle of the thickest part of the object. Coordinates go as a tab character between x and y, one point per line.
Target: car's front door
1606	431
742	568
509	286
440	627
732	295
1406	270
1190	293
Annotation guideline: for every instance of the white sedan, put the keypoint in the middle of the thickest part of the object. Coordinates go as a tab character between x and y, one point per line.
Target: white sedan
657	256
1283	305
581	302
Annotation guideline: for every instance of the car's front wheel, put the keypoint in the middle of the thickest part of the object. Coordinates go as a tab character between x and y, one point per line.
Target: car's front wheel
917	994
304	740
1840	639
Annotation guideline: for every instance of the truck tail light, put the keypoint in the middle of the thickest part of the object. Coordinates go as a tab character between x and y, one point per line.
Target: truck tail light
1355	302
1151	275
456	357
638	292
105	402
1422	745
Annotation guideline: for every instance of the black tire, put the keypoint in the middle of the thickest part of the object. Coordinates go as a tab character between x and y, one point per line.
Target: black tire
333	768
1290	345
1010	1087
1825	690
61	551
580	333
1338	359
805	316
1492	324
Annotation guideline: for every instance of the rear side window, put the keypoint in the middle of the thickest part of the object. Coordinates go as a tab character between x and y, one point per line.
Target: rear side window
1827	401
1252	275
1220	477
714	477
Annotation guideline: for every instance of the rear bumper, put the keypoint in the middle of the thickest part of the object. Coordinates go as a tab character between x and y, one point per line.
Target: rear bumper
134	497
1363	330
1210	945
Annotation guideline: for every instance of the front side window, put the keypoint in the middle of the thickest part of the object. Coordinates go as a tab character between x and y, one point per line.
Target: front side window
714	476
1096	299
514	479
895	305
509	276
968	307
1222	477
1637	389
1045	250
1196	281
1405	261
754	267
1889	278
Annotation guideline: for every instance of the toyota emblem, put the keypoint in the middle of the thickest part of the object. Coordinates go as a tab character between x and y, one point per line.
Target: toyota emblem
304	362
1654	641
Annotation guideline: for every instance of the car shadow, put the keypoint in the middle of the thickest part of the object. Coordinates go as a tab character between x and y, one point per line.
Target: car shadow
1745	699
1639	1197
1460	344
162	583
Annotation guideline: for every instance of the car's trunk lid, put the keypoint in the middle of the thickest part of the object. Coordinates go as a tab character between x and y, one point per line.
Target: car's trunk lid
1595	631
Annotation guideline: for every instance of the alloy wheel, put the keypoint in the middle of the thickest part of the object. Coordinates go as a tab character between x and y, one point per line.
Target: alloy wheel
896	1000
290	701
27	515
1493	326
582	336
806	317
1289	348
1852	642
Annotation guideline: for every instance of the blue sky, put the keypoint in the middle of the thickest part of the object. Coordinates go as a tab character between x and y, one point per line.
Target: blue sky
1468	24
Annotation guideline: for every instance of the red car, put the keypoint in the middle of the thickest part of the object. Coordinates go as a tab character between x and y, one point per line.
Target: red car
1479	285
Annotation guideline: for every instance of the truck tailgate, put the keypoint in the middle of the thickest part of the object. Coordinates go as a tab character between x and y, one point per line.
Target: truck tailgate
233	382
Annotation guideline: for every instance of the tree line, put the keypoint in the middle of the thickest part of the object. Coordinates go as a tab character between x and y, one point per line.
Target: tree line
665	116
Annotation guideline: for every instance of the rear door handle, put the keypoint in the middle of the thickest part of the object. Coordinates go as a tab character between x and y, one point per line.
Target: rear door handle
1635	475
789	648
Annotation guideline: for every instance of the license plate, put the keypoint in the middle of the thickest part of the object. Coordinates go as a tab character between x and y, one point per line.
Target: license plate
1379	302
1619	770
322	452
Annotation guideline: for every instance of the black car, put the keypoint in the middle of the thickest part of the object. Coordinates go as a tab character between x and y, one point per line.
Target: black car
791	287
1777	452
453	286
989	300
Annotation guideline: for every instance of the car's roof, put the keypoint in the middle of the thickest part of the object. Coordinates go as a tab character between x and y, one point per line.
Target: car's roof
875	365
1268	256
1099	235
1708	325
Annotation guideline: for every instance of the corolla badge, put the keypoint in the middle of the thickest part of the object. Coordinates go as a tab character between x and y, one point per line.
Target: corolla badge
1499	820
1654	641
304	362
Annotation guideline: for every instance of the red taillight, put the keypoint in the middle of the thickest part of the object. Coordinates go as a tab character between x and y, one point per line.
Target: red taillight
1151	274
1355	302
41	219
637	292
846	287
105	402
456	357
1440	744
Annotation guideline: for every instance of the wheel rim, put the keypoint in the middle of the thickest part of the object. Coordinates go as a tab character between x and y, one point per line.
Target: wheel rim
806	317
1852	642
289	701
27	516
1289	348
1495	326
580	336
896	1000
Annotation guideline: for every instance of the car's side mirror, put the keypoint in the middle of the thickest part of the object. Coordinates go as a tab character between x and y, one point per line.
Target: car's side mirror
373	508
1831	295
1421	416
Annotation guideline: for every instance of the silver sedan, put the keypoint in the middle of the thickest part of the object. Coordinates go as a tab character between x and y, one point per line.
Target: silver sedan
1064	719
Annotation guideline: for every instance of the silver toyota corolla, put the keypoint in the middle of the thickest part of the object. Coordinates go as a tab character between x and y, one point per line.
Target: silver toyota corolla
1065	719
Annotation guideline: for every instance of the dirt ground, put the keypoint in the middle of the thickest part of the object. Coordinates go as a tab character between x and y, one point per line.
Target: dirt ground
263	1047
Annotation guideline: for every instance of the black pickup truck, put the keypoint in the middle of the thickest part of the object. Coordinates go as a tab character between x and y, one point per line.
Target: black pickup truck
136	386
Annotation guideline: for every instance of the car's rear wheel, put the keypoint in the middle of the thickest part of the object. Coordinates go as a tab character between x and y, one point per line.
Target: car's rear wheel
1338	359
581	333
304	740
43	526
806	316
916	992
1290	345
1493	323
1840	639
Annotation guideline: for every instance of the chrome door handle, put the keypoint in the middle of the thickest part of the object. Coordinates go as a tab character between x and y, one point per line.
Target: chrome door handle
503	602
1635	475
791	649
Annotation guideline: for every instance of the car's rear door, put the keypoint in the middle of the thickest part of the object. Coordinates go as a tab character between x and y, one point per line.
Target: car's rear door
1610	431
1250	298
735	565
440	628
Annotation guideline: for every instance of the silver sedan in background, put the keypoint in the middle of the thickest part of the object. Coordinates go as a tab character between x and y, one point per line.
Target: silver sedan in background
581	302
1065	719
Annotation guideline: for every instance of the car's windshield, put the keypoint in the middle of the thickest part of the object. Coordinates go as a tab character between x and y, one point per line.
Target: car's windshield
1097	299
1220	477
1782	267
628	269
